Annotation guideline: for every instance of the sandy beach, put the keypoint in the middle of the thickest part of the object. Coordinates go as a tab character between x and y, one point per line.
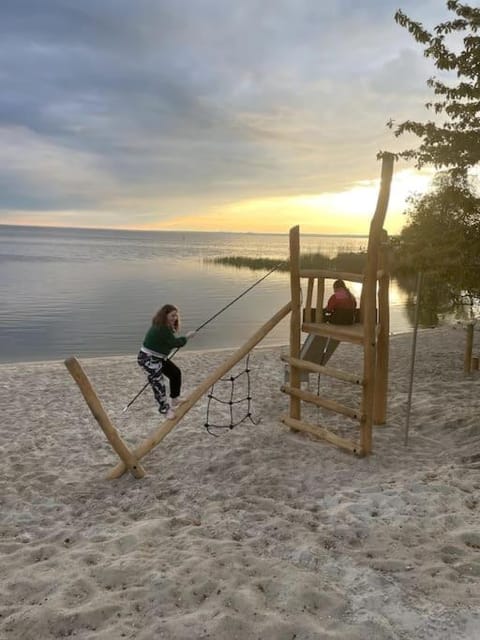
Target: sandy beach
257	534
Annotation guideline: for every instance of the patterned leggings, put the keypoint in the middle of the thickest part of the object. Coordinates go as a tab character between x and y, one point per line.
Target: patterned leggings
153	367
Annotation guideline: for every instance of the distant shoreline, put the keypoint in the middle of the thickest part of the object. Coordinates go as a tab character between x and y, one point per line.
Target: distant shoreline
243	233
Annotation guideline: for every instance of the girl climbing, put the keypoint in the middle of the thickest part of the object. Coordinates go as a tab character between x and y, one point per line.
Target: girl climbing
159	341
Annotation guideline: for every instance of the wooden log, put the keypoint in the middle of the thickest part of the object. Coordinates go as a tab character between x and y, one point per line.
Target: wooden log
295	318
129	460
369	294
320	296
308	303
318	401
159	434
322	433
360	305
467	361
323	370
331	275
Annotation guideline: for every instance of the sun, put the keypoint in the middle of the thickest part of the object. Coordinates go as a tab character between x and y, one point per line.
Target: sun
345	212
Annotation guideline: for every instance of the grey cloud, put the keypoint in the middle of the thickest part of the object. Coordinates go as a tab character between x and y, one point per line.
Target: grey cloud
171	98
405	75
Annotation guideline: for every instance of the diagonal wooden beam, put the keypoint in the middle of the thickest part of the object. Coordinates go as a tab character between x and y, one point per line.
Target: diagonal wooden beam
323	434
159	434
128	458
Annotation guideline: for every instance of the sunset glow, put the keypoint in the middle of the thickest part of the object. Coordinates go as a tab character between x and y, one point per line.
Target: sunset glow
347	212
249	120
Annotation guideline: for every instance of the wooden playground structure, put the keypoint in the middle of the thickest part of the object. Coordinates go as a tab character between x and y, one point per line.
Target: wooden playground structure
370	334
130	460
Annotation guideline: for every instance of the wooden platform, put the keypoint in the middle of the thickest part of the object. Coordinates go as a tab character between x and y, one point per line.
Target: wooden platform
343	333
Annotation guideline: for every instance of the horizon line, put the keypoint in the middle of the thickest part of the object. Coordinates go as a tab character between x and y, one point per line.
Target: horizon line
271	233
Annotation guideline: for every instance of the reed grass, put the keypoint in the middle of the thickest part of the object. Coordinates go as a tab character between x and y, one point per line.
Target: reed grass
343	261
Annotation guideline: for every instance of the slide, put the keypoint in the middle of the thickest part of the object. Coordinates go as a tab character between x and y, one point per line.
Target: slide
318	349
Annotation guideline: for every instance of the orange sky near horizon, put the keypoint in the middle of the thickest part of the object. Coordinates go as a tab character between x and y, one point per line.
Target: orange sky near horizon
346	212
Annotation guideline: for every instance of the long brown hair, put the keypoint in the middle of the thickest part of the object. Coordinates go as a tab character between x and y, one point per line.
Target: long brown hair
340	284
160	318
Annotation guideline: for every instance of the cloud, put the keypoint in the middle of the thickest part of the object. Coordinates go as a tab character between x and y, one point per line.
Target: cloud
180	105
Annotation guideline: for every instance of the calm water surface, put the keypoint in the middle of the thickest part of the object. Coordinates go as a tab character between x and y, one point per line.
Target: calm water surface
93	292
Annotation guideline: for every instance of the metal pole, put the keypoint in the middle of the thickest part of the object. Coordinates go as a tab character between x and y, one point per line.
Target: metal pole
414	348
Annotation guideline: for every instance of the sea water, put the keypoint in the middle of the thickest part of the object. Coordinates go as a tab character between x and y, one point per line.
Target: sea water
92	293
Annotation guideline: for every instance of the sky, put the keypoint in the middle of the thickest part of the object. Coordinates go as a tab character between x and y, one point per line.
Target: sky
228	115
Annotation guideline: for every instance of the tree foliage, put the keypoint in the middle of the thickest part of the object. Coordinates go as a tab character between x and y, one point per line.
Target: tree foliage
442	237
454	144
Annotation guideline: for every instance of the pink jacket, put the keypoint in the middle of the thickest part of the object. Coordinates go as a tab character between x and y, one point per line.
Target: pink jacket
341	299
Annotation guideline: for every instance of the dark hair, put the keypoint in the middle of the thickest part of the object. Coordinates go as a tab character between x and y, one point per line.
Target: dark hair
160	318
340	284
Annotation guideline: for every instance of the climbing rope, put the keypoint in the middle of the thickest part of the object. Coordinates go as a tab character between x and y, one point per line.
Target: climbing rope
208	321
241	295
231	402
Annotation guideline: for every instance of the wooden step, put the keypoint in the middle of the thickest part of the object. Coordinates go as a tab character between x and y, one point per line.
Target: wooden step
344	333
318	401
322	433
319	368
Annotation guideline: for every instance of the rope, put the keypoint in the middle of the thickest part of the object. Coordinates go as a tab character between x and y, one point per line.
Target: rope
241	295
231	402
207	322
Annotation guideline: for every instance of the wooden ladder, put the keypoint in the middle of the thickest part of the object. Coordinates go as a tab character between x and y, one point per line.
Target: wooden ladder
371	333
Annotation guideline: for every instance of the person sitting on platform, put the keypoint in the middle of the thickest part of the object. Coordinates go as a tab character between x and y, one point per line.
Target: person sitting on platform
341	305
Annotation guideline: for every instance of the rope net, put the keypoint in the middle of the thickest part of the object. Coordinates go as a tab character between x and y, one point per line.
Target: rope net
233	402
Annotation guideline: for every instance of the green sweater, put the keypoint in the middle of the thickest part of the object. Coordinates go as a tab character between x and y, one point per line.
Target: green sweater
162	340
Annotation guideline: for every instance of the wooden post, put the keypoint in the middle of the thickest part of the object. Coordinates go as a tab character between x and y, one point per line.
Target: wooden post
369	295
130	461
381	373
320	295
308	303
159	434
467	361
295	319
